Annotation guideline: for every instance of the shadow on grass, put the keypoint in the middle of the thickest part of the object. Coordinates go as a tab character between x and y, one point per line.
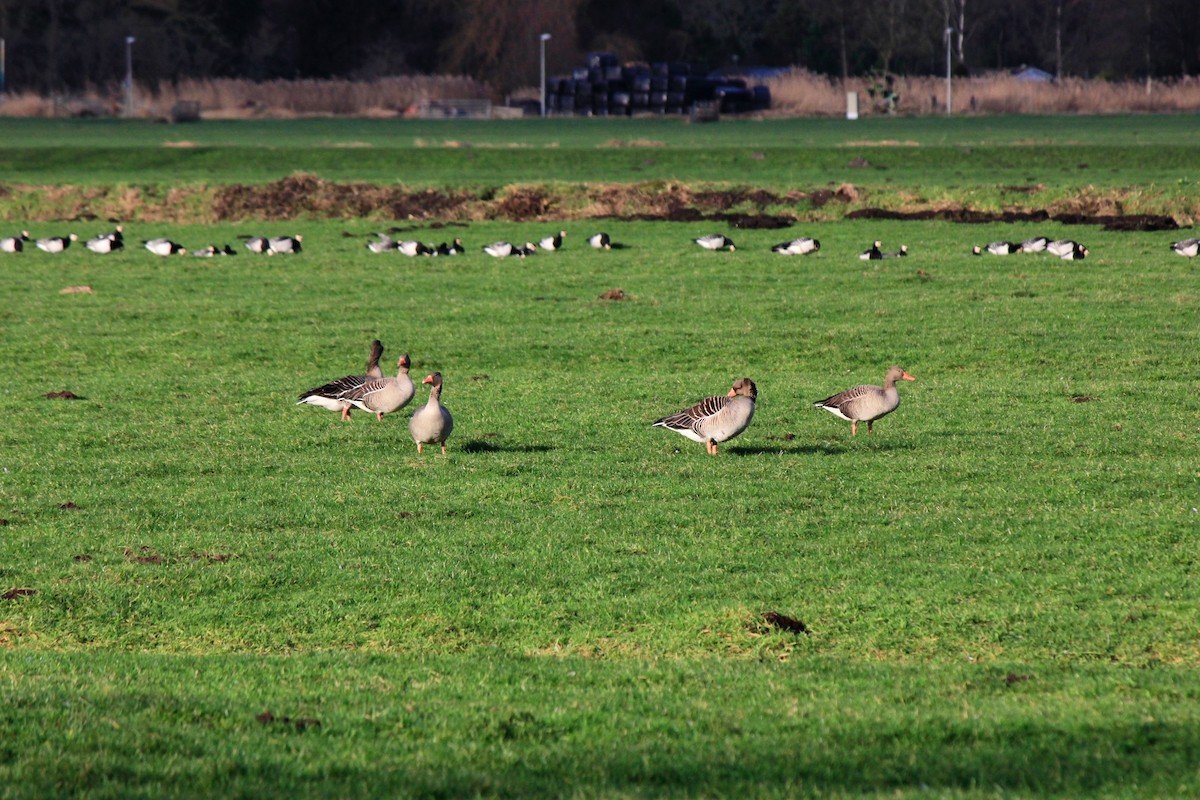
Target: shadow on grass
827	449
480	446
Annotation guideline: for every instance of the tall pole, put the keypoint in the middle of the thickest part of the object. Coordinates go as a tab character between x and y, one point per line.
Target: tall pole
129	40
542	60
3	58
949	87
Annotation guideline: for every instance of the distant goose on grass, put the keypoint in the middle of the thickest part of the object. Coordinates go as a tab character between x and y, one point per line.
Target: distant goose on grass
285	244
164	247
529	249
454	249
797	247
901	253
866	403
552	243
715	241
258	244
378	395
1066	248
600	241
413	248
432	423
104	243
382	243
214	250
498	249
997	249
1035	245
14	244
55	244
872	254
1186	247
715	419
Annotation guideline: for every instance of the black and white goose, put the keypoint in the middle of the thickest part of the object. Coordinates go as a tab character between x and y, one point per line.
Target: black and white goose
55	244
258	244
1035	245
552	243
1186	247
413	248
164	247
106	242
454	249
214	250
529	249
873	254
715	241
288	245
997	249
1067	250
600	241
14	244
901	253
797	247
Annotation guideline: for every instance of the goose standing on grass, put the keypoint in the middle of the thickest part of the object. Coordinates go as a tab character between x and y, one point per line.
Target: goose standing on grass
432	422
332	400
715	241
715	419
997	249
867	403
55	244
1035	245
797	247
289	245
552	243
14	244
164	247
600	241
1186	247
370	392
258	244
873	254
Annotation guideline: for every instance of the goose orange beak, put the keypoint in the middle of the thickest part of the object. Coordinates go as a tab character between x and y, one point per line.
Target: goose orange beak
907	377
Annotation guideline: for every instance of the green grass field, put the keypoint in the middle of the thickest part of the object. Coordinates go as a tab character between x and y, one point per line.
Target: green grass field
233	595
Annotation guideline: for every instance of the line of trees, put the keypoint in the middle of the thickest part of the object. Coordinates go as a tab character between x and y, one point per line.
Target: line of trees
57	45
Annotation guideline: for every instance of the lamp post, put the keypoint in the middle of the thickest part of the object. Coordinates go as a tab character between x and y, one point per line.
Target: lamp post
129	40
545	37
3	56
949	89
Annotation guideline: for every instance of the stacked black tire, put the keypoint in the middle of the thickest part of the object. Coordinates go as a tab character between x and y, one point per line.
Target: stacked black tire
606	88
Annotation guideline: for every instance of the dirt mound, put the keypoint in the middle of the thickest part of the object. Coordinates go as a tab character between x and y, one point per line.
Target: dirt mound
1110	222
307	195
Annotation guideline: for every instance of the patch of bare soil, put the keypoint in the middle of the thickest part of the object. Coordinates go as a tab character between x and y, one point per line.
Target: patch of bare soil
307	195
1110	222
22	591
614	294
785	623
65	394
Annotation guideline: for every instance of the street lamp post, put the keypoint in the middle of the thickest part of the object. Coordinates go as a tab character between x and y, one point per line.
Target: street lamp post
949	89
545	37
129	40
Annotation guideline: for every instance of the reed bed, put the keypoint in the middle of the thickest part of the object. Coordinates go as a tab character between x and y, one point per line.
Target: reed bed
797	93
803	93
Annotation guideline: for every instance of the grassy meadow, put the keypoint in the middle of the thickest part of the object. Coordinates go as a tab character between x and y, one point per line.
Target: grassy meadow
208	590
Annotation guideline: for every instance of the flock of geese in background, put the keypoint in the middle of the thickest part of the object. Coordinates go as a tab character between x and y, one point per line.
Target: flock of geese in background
711	421
114	240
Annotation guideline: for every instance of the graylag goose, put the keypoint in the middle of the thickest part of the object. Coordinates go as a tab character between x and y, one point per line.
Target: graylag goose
432	422
371	392
867	403
716	419
715	241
